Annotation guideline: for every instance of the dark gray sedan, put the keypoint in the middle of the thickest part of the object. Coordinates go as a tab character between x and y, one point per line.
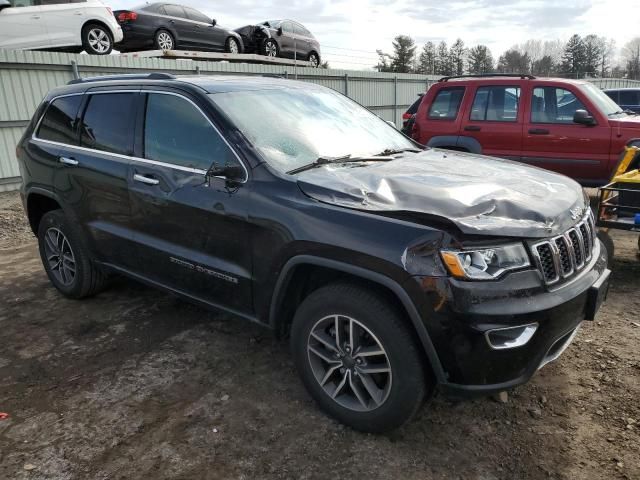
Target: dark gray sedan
281	38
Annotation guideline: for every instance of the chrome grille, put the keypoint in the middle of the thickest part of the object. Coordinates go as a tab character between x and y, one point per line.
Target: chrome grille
561	257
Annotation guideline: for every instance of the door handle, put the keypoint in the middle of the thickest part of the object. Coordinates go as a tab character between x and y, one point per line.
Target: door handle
72	162
148	180
539	131
472	128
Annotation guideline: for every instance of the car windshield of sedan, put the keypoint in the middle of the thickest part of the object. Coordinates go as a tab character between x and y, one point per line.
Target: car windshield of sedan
272	23
292	127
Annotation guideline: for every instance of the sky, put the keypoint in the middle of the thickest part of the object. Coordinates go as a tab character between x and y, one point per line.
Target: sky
350	32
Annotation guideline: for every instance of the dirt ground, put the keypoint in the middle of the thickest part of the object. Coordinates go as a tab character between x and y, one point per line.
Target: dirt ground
137	384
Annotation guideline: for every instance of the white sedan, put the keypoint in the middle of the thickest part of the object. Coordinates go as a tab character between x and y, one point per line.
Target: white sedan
64	25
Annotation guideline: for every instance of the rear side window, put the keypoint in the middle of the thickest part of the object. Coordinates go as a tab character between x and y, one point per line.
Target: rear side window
106	125
554	105
446	104
174	11
496	104
178	133
629	97
59	120
195	15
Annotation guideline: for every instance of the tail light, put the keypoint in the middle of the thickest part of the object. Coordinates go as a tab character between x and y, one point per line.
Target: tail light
127	16
406	116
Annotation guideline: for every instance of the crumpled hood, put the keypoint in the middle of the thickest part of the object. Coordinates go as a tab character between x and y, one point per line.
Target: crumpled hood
481	195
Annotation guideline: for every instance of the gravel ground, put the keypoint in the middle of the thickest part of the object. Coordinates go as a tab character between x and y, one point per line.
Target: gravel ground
137	384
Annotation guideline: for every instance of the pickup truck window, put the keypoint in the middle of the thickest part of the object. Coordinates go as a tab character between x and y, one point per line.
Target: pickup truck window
604	104
58	122
446	104
105	126
176	132
554	105
496	104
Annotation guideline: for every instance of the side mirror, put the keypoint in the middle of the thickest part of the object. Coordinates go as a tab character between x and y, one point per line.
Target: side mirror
583	117
214	22
279	31
234	174
4	4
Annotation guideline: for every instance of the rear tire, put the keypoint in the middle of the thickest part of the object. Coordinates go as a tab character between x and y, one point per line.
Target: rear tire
97	39
164	41
66	258
370	392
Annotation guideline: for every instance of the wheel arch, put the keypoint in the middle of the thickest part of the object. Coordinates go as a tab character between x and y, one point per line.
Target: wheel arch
291	285
38	202
456	142
102	24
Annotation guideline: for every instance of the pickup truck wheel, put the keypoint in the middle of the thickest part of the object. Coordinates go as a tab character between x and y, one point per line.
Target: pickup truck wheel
65	257
357	358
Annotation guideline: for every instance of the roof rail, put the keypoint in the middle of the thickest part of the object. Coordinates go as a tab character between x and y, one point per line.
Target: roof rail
128	76
523	76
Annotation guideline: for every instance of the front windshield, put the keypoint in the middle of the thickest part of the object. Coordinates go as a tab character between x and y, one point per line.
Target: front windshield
292	127
602	101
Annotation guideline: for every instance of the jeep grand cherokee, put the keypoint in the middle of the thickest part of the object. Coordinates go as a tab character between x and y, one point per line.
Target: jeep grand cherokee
393	270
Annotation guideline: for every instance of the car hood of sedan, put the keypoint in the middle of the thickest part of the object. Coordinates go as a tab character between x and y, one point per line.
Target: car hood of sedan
480	195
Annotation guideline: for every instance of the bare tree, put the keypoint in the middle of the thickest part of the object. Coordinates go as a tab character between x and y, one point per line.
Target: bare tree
631	56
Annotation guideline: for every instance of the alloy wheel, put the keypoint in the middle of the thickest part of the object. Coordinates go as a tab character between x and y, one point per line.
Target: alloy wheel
349	363
165	41
99	40
233	46
60	257
270	49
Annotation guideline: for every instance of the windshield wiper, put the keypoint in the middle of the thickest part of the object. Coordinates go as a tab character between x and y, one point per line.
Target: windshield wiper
617	113
391	151
343	159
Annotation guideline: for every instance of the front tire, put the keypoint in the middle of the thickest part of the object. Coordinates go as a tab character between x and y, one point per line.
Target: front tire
357	358
66	259
97	39
270	48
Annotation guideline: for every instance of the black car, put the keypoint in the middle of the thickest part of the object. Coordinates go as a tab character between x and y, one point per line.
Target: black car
281	38
627	98
165	26
391	272
409	117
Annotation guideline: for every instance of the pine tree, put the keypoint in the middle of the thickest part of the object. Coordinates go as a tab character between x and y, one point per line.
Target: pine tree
404	51
457	56
480	60
442	60
573	58
427	59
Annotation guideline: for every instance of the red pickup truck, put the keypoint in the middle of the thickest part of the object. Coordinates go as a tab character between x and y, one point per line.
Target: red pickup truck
568	126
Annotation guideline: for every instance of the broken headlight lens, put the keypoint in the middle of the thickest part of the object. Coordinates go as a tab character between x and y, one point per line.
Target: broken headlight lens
485	263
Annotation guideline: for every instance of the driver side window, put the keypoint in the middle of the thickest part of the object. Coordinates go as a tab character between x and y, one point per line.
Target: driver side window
554	105
24	3
177	132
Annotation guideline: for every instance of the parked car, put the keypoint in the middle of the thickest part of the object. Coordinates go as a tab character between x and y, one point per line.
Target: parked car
568	126
391	269
627	98
409	116
58	25
166	26
281	38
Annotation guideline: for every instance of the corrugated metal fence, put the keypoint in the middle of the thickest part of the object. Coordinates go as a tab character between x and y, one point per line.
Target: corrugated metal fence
25	77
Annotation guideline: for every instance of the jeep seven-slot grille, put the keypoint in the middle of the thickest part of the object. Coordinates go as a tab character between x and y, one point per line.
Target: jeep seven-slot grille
565	255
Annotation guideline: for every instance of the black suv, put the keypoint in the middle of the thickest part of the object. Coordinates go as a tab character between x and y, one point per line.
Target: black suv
393	270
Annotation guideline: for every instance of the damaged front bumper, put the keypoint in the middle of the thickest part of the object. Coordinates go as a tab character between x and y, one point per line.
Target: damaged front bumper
482	331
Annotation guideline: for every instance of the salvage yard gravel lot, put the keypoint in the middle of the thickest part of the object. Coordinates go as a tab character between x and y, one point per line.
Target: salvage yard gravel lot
135	383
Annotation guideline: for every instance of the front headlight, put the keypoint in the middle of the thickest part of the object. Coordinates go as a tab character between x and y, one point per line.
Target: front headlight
485	263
